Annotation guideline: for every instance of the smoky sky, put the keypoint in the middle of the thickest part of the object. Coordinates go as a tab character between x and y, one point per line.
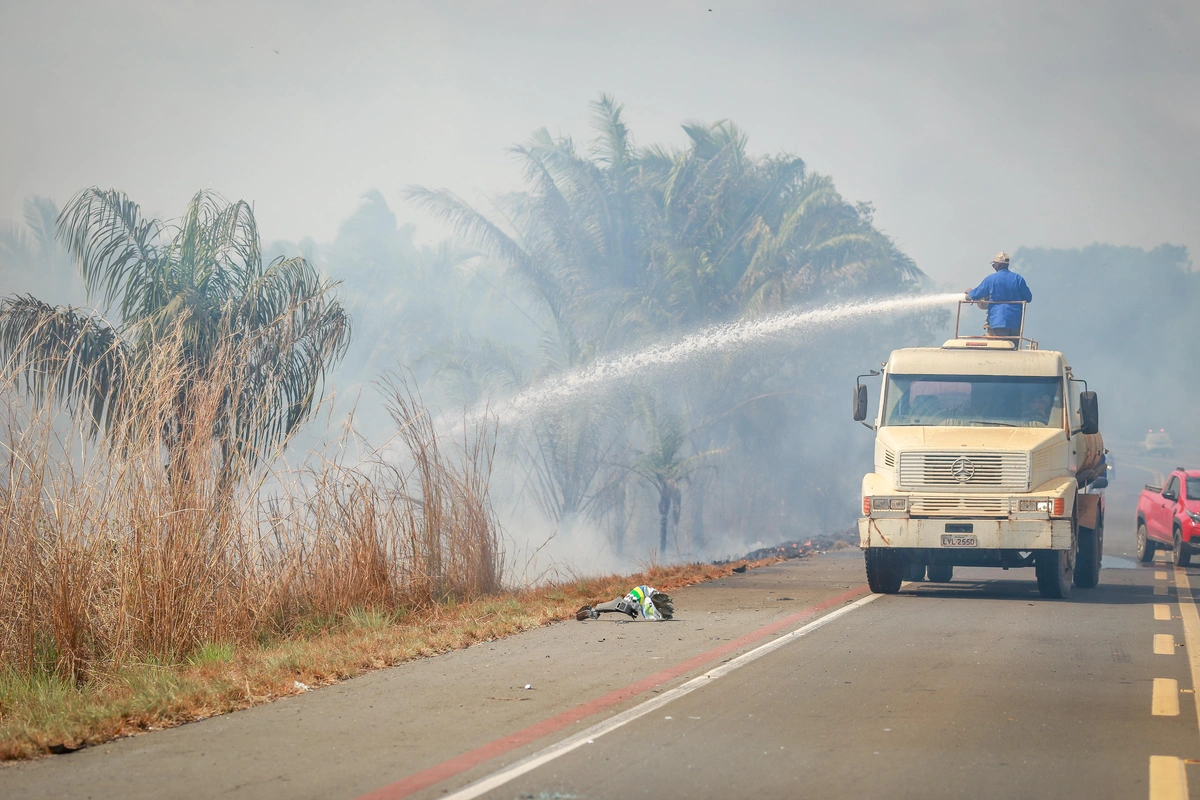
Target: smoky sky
970	127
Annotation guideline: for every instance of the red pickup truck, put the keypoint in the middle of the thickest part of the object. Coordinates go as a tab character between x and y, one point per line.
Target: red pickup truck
1168	517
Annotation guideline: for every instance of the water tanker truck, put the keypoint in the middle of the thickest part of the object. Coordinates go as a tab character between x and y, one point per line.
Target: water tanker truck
987	454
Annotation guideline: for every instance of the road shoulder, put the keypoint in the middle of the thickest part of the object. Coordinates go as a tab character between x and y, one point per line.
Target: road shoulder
354	737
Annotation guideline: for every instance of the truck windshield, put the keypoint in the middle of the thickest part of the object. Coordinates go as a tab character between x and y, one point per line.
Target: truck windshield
974	400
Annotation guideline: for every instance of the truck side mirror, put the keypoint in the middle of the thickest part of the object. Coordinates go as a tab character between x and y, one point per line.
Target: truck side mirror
1100	483
860	402
1089	413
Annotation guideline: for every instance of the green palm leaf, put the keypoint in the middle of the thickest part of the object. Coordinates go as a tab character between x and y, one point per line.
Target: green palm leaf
63	355
194	290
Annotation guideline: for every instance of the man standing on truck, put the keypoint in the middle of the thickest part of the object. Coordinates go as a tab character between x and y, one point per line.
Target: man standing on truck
1004	319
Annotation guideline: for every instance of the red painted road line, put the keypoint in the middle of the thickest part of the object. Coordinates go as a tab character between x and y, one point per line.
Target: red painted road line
459	764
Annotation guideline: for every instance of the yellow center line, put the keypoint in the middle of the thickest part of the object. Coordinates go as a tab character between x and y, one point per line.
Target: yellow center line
1162	611
1191	631
1165	701
1164	644
1168	779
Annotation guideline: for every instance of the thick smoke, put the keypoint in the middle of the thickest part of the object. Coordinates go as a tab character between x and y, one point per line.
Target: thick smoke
646	324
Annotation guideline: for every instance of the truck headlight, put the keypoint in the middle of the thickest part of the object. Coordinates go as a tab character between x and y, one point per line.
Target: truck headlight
1043	505
889	503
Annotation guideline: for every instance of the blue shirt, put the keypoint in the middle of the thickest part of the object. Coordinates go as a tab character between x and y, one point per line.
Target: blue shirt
1002	285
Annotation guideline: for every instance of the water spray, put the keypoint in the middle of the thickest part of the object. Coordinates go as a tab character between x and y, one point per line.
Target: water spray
716	340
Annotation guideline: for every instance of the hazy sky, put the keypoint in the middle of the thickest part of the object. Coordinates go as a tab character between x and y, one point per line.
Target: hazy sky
970	128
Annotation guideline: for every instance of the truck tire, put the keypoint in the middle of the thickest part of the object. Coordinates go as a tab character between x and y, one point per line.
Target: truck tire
916	572
939	573
1181	553
1055	572
884	571
1087	563
1145	545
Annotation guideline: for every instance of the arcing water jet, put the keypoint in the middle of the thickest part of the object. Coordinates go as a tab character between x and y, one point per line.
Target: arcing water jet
716	340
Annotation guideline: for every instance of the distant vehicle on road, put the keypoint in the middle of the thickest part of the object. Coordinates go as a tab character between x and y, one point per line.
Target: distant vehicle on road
1158	443
1168	517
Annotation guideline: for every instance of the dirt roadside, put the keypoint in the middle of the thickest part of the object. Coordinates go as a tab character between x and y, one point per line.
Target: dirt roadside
355	737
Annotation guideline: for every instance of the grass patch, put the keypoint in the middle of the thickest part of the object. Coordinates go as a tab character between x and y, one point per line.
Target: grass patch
41	712
212	653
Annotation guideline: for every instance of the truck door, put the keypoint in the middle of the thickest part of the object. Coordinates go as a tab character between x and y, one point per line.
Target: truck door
1162	512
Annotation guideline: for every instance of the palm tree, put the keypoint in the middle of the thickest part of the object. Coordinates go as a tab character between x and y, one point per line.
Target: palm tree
664	466
620	245
741	235
196	288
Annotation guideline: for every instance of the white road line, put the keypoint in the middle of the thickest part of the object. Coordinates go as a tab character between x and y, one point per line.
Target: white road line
1162	611
561	748
1191	631
1165	701
1160	589
1168	779
1160	575
1164	644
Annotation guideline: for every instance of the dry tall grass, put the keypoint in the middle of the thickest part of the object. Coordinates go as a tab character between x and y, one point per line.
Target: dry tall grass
137	546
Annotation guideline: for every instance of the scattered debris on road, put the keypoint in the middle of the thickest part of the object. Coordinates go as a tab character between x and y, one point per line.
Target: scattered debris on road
642	602
785	551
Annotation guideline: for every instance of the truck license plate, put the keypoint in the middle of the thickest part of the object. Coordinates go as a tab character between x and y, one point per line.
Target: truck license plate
957	540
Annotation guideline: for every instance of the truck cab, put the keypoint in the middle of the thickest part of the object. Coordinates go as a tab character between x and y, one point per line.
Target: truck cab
987	454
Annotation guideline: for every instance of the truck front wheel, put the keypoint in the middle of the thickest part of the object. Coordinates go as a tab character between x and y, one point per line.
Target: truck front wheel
1145	547
1055	571
885	572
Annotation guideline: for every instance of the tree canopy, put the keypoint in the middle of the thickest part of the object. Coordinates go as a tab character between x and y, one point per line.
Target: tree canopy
618	245
621	243
266	334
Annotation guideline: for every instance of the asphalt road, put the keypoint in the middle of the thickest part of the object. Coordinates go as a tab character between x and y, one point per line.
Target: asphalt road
977	688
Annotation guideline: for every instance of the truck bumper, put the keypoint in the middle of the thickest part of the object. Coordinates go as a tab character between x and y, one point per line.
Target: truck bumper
992	534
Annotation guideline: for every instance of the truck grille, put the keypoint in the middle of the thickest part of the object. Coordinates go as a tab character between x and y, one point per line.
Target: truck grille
970	505
964	471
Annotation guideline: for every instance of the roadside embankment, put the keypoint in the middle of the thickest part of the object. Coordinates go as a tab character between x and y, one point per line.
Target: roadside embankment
357	736
47	714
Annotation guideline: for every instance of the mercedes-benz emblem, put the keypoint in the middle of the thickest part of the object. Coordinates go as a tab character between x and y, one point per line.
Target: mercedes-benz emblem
962	470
